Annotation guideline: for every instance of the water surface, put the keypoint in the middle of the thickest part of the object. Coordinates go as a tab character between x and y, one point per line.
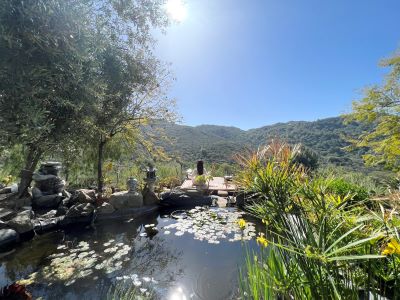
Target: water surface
197	257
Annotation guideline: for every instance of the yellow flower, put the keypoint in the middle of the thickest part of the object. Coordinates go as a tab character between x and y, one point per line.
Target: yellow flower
262	241
109	167
288	208
241	223
393	247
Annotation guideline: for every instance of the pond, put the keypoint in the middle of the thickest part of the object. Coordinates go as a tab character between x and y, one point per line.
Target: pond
192	254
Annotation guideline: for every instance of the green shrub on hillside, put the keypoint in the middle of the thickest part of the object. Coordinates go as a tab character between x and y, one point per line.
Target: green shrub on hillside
343	188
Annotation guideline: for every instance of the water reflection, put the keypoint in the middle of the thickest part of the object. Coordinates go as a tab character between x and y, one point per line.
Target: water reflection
177	294
85	264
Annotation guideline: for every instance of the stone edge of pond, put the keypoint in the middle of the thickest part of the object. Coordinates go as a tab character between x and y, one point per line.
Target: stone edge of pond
12	239
130	212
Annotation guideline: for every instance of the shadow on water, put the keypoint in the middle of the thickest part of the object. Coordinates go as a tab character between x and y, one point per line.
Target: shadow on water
86	263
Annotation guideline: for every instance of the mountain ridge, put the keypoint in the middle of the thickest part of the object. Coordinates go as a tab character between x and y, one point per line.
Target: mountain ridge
219	143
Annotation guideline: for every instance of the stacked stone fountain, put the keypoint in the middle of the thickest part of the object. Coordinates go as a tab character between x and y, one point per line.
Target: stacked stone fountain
49	187
49	193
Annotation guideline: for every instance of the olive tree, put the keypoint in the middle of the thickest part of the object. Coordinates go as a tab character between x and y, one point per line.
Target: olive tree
133	81
133	96
46	81
73	69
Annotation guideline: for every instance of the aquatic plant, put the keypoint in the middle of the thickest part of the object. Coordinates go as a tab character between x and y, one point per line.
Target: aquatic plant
261	240
213	225
78	262
241	223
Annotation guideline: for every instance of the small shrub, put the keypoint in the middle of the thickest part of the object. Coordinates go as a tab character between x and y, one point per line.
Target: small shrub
170	182
343	188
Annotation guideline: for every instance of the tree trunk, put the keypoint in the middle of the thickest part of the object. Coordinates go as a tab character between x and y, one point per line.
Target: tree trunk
31	162
66	171
100	179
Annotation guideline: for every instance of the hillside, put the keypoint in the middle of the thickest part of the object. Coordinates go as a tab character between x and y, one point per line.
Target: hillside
219	143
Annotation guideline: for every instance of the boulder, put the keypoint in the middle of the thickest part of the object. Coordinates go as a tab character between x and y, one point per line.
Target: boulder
66	194
48	184
7	213
50	214
22	223
45	225
36	193
8	237
78	214
80	210
150	198
3	225
50	167
21	202
47	201
85	196
105	208
178	198
61	210
5	190
122	200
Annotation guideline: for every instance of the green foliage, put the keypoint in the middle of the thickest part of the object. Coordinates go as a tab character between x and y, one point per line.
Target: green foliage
380	108
375	183
11	160
325	139
46	73
321	244
307	158
202	179
222	169
343	188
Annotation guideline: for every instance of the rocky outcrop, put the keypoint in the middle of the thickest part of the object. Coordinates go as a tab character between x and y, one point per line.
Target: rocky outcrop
84	196
78	214
105	208
8	237
178	198
122	200
47	201
22	223
49	188
48	184
80	210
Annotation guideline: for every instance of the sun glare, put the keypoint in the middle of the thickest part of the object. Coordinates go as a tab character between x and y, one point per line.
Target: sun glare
176	10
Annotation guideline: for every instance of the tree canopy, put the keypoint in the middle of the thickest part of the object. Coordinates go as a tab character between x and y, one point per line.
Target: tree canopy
77	71
45	72
380	107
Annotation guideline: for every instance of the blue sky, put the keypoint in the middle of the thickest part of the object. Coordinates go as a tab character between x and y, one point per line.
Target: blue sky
249	63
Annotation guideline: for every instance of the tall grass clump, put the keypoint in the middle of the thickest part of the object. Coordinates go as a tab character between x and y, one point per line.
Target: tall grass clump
319	242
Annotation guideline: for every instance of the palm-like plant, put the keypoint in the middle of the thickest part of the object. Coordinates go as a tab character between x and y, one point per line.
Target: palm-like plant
326	246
